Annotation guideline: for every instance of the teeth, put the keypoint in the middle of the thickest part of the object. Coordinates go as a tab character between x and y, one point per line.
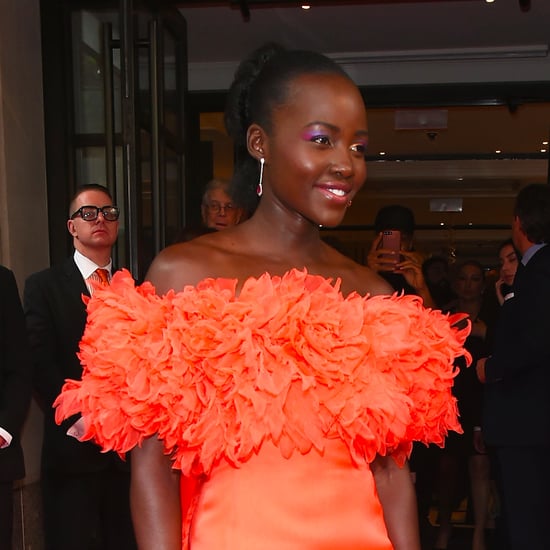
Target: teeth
338	192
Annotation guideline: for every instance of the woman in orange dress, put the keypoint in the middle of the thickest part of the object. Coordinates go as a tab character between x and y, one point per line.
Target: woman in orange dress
275	376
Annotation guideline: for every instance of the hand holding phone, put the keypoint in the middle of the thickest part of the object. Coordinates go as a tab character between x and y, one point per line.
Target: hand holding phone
390	242
391	239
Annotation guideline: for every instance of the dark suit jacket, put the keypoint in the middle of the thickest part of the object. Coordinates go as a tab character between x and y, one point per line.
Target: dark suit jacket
517	392
56	317
15	375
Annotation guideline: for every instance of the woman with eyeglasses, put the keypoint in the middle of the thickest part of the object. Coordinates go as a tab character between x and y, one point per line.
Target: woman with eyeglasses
277	375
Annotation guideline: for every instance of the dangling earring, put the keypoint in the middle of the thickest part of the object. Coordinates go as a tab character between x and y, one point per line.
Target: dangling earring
259	188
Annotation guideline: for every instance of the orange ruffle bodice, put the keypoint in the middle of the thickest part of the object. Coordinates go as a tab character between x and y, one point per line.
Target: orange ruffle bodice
288	360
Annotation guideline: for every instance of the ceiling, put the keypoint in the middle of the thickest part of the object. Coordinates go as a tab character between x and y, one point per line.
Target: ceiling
459	158
217	31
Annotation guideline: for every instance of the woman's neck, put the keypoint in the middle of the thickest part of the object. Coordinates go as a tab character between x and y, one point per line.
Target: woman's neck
470	306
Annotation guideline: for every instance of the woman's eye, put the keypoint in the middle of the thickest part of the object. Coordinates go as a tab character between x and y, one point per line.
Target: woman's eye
322	140
359	148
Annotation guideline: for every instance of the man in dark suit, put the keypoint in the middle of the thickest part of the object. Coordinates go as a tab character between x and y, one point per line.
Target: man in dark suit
517	377
15	395
85	492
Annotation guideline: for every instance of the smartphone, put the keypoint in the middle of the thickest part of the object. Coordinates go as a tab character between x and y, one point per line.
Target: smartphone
391	239
506	289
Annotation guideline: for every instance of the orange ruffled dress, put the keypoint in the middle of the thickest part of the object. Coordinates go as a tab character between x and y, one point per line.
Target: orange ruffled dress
275	400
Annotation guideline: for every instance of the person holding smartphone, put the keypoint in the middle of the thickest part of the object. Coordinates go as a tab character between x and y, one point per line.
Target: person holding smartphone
392	254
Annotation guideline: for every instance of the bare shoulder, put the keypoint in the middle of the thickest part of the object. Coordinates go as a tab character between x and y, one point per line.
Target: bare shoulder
369	282
181	264
359	278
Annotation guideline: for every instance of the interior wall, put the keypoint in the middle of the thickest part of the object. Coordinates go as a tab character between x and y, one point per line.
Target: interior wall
23	204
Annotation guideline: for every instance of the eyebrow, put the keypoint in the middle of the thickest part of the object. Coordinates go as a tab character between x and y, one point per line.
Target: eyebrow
359	133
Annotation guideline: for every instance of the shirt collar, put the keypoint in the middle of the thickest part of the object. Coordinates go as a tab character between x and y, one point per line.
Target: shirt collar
87	267
531	251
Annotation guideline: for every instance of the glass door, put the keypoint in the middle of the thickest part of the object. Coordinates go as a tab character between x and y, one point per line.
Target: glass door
121	100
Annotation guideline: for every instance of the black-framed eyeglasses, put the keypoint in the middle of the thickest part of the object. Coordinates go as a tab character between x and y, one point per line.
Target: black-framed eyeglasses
90	213
216	207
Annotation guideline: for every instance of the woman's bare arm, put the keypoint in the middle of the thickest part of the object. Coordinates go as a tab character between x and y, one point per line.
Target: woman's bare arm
398	499
155	498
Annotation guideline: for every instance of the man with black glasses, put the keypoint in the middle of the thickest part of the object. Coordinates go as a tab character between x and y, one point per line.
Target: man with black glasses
85	492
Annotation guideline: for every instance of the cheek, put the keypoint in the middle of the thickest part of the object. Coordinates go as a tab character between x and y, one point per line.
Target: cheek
290	173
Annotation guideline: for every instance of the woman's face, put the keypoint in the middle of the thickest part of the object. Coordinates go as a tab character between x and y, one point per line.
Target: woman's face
508	264
469	282
314	156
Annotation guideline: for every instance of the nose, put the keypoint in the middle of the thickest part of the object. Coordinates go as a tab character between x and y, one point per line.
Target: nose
342	162
100	213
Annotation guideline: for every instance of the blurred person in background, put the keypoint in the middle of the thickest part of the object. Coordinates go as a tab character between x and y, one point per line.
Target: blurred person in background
218	209
436	273
508	259
516	419
402	270
464	455
15	396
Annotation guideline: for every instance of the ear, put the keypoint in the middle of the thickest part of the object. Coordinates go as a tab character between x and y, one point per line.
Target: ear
256	141
72	228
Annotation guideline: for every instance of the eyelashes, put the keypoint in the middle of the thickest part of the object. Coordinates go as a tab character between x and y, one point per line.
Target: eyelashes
322	139
360	148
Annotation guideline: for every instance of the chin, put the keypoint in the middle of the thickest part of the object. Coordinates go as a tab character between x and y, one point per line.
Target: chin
330	223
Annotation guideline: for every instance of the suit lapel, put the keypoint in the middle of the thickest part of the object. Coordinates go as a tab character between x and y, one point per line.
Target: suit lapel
74	280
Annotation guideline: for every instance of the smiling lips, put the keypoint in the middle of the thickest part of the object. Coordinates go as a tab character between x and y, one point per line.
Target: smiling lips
339	194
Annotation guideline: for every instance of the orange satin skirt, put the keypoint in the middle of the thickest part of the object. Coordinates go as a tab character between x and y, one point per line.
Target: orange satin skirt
307	502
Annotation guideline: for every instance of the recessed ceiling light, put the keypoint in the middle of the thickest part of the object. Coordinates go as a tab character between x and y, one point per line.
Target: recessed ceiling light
382	153
543	150
306	6
498	151
545	143
489	1
441	223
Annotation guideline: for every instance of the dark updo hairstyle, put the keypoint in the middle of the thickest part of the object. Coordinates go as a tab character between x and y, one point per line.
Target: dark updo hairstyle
260	86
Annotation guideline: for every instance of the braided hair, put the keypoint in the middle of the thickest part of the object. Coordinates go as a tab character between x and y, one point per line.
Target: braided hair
261	85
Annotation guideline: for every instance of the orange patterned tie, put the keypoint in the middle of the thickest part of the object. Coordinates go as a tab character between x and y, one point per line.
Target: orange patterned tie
103	275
